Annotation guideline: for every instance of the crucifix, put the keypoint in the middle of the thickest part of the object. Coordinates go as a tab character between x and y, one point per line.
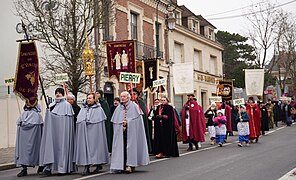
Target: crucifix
151	71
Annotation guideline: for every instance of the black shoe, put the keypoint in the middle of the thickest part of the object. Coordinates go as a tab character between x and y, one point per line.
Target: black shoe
46	173
190	149
22	173
40	169
98	168
257	139
220	144
86	172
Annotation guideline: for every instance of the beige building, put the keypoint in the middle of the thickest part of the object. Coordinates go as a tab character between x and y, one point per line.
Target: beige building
191	40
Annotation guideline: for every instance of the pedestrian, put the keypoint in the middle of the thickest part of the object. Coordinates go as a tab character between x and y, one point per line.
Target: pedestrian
57	145
151	116
255	122
276	112
166	128
243	126
264	118
28	139
116	102
193	123
109	127
220	127
270	109
72	100
91	147
129	141
210	114
136	99
227	112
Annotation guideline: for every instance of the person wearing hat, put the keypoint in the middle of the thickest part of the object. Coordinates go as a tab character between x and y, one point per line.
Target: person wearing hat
193	123
264	118
255	123
220	127
211	113
72	100
57	144
136	99
243	126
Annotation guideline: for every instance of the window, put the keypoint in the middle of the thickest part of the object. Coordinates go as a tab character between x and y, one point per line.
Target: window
211	34
158	42
197	60
134	26
213	65
178	53
195	26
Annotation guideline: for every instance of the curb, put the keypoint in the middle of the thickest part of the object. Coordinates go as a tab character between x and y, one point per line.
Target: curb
7	166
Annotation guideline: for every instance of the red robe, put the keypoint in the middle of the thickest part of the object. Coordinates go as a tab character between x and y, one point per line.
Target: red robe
228	114
197	122
254	123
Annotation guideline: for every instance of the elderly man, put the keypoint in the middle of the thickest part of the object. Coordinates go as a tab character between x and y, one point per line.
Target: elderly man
72	100
129	141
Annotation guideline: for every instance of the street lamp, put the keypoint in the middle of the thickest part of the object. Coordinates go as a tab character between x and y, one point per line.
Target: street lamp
171	21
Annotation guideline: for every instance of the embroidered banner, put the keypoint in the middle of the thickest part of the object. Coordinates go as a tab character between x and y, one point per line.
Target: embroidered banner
27	73
151	73
224	89
183	78
254	80
121	57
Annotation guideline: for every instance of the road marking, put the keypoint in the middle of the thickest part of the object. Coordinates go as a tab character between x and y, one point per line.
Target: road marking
191	152
291	175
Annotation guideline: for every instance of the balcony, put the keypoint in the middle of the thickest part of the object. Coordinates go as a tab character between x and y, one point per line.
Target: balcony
145	51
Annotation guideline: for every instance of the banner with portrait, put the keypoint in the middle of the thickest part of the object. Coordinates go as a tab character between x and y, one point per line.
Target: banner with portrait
27	73
183	78
150	73
254	80
224	89
121	57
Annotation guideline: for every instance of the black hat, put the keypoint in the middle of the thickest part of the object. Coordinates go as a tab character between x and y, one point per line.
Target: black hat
191	95
117	99
101	92
59	90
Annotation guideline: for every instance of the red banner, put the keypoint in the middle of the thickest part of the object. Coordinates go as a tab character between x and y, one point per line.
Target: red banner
121	56
27	73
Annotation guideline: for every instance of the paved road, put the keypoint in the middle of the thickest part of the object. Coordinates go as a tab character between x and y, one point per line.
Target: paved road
270	159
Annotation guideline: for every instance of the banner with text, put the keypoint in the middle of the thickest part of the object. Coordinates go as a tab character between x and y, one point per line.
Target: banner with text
254	80
133	78
121	57
27	73
183	78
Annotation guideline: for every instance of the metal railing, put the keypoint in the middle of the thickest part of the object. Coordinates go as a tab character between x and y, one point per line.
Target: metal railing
145	51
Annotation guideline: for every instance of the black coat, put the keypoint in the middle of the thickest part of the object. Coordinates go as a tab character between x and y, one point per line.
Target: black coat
264	119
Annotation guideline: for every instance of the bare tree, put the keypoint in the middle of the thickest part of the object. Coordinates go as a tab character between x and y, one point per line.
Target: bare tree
61	26
263	19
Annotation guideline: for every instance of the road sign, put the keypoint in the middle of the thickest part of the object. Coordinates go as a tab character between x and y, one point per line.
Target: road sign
159	82
63	77
126	77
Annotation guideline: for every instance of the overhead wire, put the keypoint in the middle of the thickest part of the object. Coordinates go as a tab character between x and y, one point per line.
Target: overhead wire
246	14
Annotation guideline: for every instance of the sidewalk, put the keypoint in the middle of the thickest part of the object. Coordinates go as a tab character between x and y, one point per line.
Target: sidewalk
7	154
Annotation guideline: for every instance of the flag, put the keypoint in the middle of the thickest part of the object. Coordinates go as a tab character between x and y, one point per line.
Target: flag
27	73
224	89
151	73
254	80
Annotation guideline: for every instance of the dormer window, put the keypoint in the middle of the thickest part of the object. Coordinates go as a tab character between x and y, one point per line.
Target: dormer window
195	26
211	34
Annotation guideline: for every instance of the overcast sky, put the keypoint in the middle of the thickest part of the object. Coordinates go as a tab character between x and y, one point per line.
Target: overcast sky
8	35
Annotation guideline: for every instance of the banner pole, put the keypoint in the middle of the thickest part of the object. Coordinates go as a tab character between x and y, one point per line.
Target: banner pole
43	91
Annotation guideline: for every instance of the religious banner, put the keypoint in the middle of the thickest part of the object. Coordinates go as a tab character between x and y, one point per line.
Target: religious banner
151	73
121	57
254	80
183	78
224	89
27	73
